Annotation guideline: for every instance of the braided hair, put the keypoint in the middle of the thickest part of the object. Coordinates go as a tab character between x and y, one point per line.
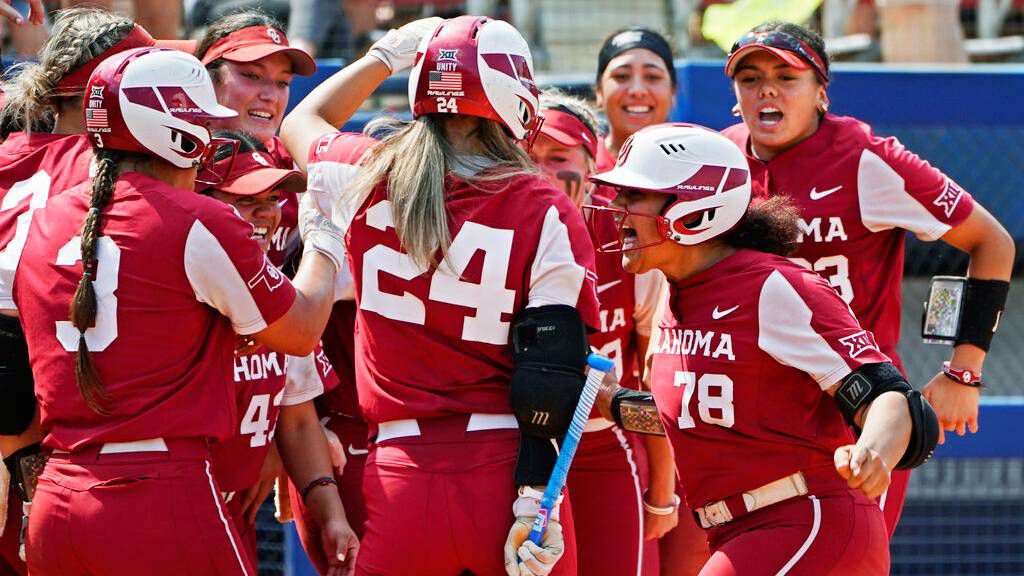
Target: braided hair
82	311
79	35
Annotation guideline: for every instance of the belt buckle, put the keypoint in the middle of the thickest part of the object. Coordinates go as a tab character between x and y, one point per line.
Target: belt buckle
713	510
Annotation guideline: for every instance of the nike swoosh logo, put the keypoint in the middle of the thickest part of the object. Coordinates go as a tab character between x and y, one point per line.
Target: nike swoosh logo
604	287
815	195
716	315
356	452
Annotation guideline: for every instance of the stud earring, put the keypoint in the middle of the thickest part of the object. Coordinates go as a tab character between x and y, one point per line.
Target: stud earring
736	111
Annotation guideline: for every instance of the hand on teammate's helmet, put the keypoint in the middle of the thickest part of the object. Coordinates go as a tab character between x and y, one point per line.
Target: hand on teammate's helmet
319	234
397	49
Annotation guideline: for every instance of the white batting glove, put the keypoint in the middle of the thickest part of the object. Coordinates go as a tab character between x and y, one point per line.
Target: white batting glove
523	557
319	234
397	49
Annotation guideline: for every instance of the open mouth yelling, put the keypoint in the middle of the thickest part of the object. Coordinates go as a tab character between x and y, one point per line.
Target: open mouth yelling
769	116
629	238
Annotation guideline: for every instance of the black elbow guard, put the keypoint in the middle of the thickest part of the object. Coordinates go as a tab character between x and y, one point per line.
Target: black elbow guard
924	433
863	385
17	390
549	352
537	457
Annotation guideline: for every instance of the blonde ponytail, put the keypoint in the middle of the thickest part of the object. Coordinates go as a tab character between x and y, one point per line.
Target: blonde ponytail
413	163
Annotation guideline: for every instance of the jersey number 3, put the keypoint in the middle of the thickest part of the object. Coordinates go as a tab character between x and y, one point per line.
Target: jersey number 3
489	298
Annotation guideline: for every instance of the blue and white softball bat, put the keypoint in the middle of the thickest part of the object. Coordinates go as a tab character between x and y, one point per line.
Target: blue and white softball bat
599	365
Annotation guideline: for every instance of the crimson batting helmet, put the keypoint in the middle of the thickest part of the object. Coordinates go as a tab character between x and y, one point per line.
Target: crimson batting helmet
704	174
477	66
154	101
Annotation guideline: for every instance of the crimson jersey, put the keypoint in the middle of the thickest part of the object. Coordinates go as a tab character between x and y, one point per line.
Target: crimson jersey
741	362
164	256
432	342
857	194
627	306
32	169
339	344
264	381
289	226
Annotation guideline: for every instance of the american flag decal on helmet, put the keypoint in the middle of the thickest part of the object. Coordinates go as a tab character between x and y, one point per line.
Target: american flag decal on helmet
445	81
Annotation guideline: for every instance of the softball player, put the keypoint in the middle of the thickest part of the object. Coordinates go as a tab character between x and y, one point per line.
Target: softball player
605	468
130	462
758	368
455	247
34	166
858	194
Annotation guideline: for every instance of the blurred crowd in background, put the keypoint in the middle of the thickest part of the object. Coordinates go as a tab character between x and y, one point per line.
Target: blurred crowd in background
898	31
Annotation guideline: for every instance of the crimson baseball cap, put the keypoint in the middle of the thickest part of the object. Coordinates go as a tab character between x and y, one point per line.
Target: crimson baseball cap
568	130
790	49
255	42
252	173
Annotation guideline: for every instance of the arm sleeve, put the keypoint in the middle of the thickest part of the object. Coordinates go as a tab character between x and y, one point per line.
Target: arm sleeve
333	165
563	269
897	189
803	323
229	272
308	377
651	290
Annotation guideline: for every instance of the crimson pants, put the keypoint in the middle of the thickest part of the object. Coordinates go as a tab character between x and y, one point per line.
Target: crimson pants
10	563
153	513
440	504
835	534
604	482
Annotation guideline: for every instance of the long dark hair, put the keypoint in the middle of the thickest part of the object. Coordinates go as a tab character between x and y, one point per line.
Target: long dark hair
768	226
82	311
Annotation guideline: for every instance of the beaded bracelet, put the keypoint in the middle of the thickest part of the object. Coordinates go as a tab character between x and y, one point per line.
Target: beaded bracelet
321	481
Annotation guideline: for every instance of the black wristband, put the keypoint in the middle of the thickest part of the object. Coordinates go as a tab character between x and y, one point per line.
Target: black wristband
316	482
983	305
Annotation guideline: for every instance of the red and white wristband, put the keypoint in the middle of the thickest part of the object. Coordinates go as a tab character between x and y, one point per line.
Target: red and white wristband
965	377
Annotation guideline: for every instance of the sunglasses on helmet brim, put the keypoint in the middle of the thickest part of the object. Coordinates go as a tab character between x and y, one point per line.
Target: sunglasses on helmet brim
782	41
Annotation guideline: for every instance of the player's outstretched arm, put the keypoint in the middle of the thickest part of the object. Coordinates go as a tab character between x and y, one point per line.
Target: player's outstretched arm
335	100
992	251
866	465
307	460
